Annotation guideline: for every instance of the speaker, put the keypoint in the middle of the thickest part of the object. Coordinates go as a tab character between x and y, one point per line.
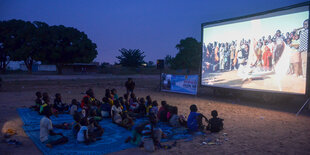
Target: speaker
160	64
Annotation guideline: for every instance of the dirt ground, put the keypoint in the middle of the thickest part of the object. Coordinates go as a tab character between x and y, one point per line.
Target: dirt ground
253	126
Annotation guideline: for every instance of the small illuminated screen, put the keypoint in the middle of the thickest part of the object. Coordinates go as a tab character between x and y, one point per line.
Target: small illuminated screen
265	52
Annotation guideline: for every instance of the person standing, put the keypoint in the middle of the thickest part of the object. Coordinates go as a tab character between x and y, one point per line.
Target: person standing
303	47
130	85
222	51
232	55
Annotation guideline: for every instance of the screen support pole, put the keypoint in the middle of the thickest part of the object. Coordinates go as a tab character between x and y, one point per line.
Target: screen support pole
303	106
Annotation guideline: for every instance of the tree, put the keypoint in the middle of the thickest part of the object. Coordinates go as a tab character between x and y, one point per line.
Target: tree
4	49
25	44
188	56
68	45
131	57
168	60
21	42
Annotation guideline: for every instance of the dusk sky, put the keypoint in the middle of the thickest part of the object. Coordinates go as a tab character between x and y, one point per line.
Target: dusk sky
154	26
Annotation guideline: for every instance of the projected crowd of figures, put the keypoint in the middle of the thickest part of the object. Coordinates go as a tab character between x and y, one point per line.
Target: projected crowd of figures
269	53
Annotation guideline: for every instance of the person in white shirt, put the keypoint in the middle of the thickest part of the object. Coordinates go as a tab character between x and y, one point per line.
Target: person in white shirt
47	135
116	111
82	135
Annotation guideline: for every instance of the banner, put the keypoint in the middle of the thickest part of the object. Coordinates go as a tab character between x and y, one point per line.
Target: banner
179	83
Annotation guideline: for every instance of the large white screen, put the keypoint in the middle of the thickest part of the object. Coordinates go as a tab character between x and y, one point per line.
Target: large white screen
266	52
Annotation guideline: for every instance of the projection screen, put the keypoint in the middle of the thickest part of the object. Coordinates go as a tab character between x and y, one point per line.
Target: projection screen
262	52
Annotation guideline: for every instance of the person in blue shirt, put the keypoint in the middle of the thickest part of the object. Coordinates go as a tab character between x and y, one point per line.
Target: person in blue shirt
194	120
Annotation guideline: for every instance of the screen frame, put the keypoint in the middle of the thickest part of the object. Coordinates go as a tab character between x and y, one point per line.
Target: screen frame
307	89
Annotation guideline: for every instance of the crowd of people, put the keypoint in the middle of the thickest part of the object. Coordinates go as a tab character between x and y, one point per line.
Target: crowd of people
263	53
123	111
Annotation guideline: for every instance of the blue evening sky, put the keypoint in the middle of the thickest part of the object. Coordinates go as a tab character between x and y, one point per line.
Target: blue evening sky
154	26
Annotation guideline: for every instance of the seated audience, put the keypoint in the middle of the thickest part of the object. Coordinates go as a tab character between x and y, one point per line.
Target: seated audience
38	102
134	105
194	121
46	102
176	120
105	108
94	129
74	107
215	124
154	109
83	134
59	106
148	105
114	93
162	113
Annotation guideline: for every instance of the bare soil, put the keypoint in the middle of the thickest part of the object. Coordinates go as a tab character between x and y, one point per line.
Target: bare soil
253	126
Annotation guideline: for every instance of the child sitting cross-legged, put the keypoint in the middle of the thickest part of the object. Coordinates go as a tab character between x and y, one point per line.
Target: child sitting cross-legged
119	117
38	102
146	134
194	120
74	107
105	108
215	123
94	129
47	135
175	119
148	105
134	105
114	93
154	109
163	111
59	105
141	109
83	134
45	103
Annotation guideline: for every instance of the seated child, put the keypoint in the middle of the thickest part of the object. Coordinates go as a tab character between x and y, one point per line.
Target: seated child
126	100
162	113
86	107
105	108
142	108
94	129
148	105
83	136
123	105
77	123
154	109
215	123
148	100
146	134
109	95
132	98
120	118
89	93
134	105
59	105
194	121
38	102
47	136
114	93
46	102
116	112
74	107
176	120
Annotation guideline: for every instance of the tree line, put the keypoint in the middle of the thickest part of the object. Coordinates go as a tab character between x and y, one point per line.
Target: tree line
37	41
188	56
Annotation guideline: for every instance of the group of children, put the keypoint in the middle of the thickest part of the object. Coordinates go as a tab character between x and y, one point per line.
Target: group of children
123	111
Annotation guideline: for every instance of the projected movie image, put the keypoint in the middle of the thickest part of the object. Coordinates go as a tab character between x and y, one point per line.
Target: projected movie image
269	53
